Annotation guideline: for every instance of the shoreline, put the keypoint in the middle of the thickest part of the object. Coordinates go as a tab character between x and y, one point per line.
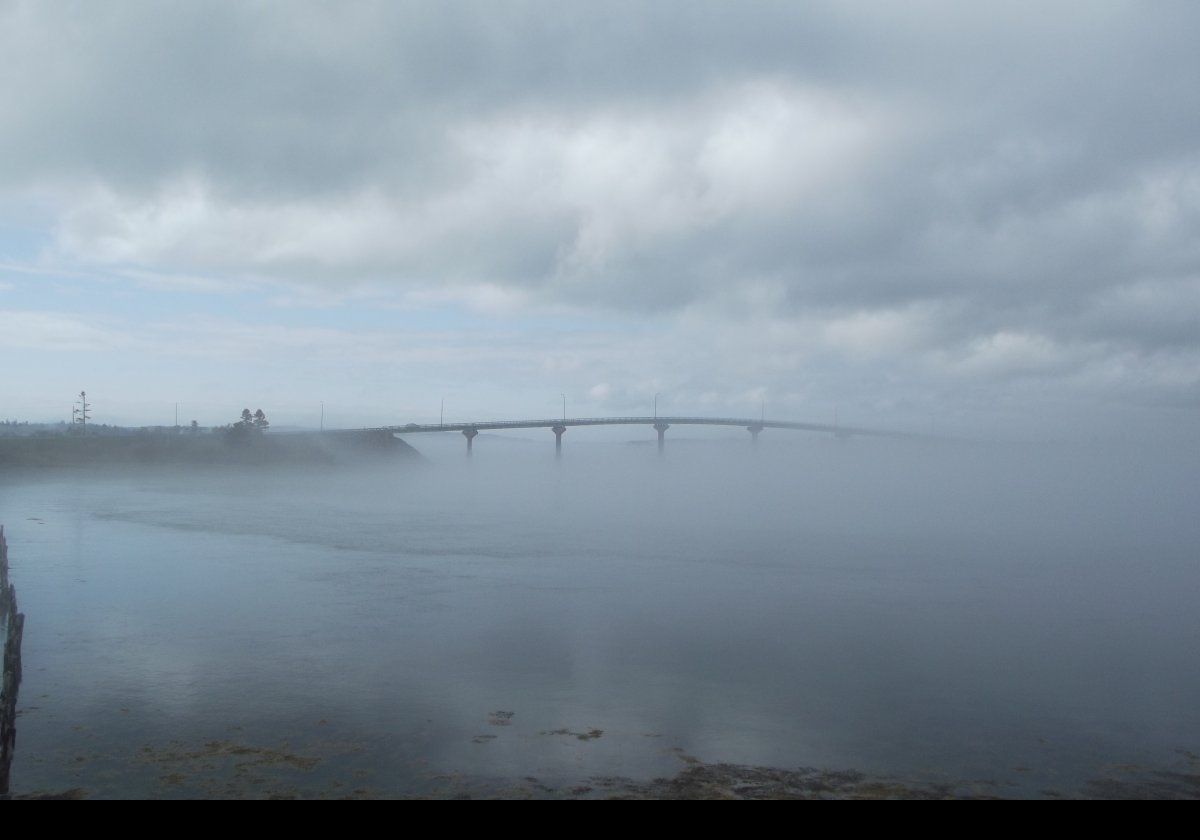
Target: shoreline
234	770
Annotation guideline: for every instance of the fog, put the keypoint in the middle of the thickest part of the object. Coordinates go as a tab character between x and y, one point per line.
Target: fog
240	243
1007	619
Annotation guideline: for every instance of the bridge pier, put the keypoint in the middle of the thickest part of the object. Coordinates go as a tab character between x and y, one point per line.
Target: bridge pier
754	429
558	433
470	435
661	428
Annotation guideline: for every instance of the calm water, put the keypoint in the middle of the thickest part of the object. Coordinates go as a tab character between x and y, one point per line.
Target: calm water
1021	618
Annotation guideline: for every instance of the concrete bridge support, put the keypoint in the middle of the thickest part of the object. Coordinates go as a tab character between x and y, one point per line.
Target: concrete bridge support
558	433
754	430
470	435
661	428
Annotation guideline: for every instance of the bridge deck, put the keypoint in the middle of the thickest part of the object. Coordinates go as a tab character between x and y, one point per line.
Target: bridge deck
743	422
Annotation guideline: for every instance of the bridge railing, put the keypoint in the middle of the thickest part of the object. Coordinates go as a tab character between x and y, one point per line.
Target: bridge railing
744	422
594	421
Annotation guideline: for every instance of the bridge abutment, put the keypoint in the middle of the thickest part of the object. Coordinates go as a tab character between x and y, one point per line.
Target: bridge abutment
470	435
558	433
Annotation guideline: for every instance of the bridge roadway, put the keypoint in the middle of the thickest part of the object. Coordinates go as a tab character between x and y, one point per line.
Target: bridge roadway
659	424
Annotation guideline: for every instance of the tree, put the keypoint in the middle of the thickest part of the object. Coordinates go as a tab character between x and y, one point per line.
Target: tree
243	429
261	424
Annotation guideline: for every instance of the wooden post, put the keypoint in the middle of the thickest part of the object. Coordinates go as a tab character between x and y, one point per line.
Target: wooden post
14	628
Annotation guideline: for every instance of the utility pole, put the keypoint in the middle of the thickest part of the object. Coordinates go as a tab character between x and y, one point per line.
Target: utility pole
80	415
564	396
322	415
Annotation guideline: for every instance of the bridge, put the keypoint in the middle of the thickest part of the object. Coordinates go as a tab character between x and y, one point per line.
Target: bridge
660	424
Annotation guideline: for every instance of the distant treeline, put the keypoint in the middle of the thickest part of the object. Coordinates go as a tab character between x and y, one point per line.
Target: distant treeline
198	449
23	428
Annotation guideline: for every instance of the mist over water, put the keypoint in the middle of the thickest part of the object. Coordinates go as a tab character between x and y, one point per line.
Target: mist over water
1020	615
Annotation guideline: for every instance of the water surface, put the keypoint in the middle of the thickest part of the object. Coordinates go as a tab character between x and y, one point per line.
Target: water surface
1010	620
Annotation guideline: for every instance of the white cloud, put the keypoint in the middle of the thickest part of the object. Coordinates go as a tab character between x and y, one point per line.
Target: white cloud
540	201
870	334
1010	353
55	332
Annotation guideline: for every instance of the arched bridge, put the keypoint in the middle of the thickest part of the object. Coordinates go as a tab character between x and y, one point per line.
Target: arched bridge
659	424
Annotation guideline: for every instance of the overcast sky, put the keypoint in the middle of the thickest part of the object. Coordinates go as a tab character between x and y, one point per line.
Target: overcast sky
912	213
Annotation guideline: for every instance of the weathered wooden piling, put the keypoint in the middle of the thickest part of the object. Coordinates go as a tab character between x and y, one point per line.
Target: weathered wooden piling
12	623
